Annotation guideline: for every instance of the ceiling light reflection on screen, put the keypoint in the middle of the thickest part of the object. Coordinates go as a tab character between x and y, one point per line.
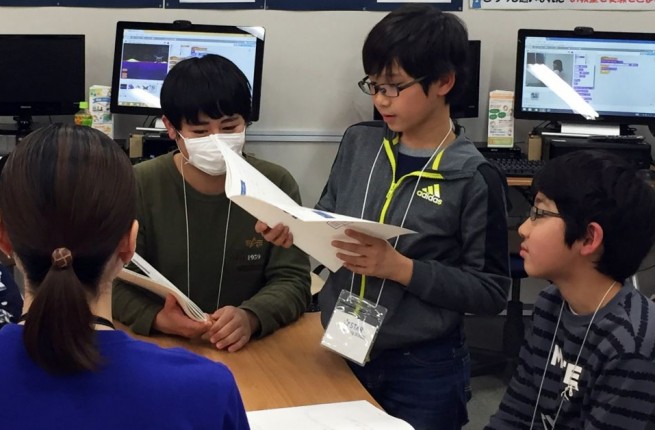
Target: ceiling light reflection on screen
563	90
143	96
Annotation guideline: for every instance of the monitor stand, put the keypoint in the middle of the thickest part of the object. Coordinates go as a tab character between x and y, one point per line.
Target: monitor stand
591	129
157	127
21	128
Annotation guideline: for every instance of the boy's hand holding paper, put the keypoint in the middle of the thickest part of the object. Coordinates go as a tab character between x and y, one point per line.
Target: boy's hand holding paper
154	281
172	320
313	230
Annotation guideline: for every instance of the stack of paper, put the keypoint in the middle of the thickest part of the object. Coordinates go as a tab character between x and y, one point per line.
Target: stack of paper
312	230
158	284
358	415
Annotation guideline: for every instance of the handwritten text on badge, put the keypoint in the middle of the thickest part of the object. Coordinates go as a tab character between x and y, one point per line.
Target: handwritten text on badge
349	336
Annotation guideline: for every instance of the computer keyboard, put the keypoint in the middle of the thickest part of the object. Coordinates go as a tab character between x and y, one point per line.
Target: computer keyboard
512	161
518	166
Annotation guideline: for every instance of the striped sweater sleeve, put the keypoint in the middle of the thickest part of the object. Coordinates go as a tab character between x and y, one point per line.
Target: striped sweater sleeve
623	396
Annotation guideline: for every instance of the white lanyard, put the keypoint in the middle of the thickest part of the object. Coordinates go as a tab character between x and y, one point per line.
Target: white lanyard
548	358
188	265
411	199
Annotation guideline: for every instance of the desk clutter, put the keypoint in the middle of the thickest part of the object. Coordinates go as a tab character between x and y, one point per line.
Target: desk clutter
150	144
633	149
544	146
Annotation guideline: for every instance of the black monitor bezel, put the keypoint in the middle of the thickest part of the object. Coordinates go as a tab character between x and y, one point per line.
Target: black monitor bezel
50	107
472	88
582	33
183	26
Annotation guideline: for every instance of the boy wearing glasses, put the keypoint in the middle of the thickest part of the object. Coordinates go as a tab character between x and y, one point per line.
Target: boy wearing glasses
191	233
589	362
416	171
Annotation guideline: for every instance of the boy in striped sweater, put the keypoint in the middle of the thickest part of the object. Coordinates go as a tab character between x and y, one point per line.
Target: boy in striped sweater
589	361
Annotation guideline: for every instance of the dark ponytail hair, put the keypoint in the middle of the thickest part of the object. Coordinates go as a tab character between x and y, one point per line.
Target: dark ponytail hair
69	187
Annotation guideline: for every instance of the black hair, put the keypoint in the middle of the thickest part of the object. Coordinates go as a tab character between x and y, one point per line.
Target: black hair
70	187
557	65
422	40
211	84
597	186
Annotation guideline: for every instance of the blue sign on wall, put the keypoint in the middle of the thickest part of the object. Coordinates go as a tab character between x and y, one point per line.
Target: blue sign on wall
307	5
453	5
85	3
215	4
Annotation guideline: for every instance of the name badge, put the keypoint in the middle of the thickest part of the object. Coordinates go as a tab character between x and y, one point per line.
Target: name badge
353	327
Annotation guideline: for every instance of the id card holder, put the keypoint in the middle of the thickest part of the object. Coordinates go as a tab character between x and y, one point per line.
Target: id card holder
353	327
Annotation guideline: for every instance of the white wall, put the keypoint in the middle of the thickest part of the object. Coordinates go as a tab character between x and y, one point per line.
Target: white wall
311	66
312	63
309	163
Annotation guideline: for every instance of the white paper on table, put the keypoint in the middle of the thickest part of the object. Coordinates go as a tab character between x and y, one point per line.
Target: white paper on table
158	284
357	415
313	230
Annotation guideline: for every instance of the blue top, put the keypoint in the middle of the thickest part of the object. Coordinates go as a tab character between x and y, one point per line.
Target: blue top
140	386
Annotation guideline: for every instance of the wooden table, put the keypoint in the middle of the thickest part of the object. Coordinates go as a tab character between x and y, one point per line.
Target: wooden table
287	368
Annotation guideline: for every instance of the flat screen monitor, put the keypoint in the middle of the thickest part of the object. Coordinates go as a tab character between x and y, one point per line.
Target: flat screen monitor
146	51
467	104
584	76
41	75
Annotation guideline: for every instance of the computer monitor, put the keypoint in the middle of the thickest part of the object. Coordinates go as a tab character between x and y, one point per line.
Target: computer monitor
467	104
146	51
591	82
41	74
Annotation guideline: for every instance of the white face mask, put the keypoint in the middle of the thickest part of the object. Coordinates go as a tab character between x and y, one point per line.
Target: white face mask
204	152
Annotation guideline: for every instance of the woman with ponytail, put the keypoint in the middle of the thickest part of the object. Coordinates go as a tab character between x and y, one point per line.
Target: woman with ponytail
67	217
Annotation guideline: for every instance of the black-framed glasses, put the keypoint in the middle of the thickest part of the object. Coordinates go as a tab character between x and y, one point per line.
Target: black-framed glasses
536	213
389	90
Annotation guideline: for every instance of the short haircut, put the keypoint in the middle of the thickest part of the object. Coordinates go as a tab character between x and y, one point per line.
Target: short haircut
557	65
596	186
422	40
211	84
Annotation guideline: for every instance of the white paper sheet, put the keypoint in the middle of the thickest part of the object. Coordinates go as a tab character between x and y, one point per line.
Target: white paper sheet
158	284
313	230
357	415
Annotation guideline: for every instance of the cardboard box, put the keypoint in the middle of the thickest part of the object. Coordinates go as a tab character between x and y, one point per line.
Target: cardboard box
99	99
501	119
534	147
136	146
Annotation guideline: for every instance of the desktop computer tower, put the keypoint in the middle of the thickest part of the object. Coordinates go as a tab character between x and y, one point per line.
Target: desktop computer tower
638	154
156	144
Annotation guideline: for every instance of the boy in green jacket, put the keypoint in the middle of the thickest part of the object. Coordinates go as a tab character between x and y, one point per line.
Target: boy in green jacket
192	234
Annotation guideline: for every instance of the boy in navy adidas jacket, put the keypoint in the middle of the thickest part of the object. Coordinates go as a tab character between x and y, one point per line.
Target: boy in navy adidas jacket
589	362
418	171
